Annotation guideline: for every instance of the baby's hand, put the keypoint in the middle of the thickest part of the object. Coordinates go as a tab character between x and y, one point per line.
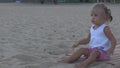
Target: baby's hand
74	45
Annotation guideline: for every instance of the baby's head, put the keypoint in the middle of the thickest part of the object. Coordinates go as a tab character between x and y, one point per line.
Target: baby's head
100	14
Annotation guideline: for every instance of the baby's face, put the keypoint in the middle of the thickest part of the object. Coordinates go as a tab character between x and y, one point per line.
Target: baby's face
98	17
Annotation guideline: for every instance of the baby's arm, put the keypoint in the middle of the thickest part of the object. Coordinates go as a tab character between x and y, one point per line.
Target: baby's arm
83	41
110	36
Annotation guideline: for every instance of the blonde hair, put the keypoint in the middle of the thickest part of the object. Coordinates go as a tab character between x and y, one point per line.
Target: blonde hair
105	9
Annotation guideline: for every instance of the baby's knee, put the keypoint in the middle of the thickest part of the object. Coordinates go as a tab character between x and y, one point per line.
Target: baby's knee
83	49
95	52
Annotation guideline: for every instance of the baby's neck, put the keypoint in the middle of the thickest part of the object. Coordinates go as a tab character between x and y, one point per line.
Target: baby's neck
96	26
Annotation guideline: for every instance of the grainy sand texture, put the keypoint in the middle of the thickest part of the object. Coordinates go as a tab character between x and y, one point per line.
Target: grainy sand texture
37	36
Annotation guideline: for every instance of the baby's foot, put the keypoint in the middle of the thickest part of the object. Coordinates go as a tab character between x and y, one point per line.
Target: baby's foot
81	66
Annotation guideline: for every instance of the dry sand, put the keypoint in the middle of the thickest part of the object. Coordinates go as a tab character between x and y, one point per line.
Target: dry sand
37	36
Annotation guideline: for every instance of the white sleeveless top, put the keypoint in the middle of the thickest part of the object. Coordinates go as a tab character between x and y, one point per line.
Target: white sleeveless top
98	38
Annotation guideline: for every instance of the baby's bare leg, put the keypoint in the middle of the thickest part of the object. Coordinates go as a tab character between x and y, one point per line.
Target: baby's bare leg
92	58
76	55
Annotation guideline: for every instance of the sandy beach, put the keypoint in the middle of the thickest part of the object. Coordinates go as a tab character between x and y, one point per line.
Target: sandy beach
37	36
